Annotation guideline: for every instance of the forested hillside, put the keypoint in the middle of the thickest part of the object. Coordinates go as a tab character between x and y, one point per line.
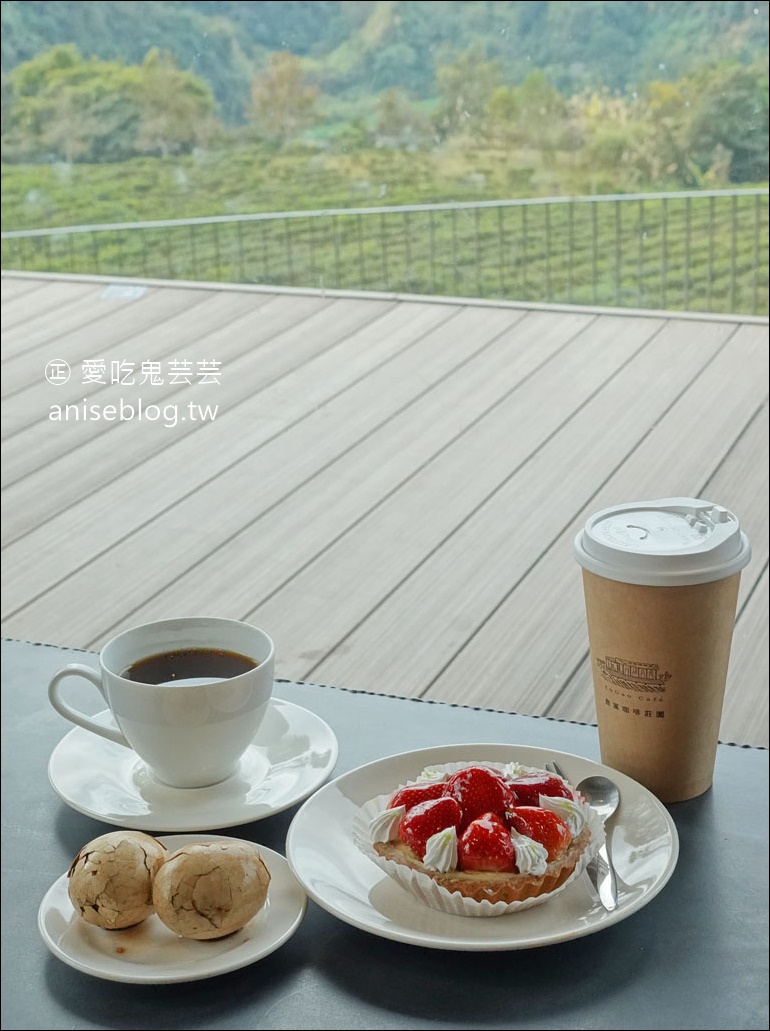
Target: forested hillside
354	51
116	111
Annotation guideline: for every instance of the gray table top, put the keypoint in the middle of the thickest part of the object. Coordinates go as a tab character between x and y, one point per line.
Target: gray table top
694	957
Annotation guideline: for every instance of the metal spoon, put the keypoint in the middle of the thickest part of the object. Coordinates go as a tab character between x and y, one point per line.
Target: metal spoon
603	796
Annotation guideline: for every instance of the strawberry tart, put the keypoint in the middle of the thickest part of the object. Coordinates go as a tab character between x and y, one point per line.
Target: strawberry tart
480	838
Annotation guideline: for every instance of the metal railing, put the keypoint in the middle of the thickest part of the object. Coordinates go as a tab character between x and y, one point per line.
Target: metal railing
698	251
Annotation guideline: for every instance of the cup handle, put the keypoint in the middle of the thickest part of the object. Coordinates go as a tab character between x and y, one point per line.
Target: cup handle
74	669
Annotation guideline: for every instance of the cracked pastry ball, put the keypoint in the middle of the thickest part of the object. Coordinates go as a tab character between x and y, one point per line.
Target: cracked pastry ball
110	880
211	889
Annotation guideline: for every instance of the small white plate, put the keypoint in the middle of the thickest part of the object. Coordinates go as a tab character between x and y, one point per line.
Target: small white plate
150	953
325	859
293	753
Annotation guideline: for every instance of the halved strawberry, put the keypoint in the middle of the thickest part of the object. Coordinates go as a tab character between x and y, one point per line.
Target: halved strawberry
428	818
479	790
541	825
486	844
415	793
528	788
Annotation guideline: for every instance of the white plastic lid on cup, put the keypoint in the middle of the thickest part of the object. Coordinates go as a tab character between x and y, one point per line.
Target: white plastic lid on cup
670	542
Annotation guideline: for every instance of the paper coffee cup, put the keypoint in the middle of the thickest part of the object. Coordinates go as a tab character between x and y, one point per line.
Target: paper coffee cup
661	586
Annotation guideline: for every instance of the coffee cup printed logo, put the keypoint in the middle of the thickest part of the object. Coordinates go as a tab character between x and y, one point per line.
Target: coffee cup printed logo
633	676
634	688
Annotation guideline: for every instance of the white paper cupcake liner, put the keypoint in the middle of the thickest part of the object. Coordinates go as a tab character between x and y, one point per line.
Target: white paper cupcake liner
432	894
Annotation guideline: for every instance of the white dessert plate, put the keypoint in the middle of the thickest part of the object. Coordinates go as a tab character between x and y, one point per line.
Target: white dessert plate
150	953
293	753
323	856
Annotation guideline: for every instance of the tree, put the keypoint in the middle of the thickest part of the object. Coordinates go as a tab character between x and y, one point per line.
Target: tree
665	110
534	114
176	107
464	87
730	114
631	142
282	101
69	108
398	121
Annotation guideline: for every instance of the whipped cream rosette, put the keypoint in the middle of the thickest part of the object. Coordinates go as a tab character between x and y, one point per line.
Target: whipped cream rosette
437	852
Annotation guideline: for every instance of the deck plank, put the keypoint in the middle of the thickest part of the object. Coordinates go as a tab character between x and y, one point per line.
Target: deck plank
655	469
171	337
81	306
57	549
78	458
745	710
246	483
651	468
370	571
265	321
29	405
15	286
46	296
357	491
292	531
454	593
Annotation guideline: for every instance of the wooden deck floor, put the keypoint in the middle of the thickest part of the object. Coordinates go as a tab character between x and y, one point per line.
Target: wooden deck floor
390	486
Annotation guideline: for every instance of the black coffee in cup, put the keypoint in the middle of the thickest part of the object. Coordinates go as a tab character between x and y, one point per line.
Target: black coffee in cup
188	695
189	664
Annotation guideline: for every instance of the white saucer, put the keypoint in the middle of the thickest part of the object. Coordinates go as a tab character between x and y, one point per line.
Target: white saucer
152	954
293	753
325	859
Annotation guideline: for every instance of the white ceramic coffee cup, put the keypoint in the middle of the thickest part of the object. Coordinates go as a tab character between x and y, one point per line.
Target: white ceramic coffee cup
189	733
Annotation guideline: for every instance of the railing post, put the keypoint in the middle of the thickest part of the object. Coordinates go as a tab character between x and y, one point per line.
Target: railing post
664	254
640	257
524	261
755	263
384	251
432	245
361	258
733	249
570	249
287	242
454	251
241	262
217	253
335	237
265	255
548	252
710	265
687	234
594	257
311	246
407	252
618	259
